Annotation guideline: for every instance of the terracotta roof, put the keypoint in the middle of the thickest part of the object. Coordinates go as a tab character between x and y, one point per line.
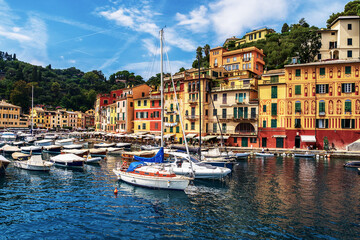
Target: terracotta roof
5	104
275	71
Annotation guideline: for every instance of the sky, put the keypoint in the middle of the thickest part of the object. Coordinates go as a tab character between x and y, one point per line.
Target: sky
115	35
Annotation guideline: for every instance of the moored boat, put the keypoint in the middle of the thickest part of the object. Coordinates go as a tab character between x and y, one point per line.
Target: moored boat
54	149
98	152
7	149
129	156
92	160
68	160
44	142
20	156
103	145
263	154
35	163
32	149
3	164
78	152
73	146
352	164
124	145
304	155
242	155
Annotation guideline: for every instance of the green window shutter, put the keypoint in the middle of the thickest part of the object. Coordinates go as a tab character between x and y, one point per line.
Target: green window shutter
241	112
317	123
317	88
177	118
273	123
273	91
264	124
343	87
326	123
264	108
297	107
353	87
171	106
245	112
214	127
348	70
235	112
322	71
298	89
298	73
342	123
177	129
348	106
327	88
274	109
352	123
171	129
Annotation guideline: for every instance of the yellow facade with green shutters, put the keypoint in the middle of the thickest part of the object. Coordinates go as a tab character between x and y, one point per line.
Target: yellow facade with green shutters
142	117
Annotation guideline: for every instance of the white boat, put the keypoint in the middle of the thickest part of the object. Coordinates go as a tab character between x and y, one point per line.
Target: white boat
242	155
92	160
20	156
104	145
51	136
73	146
18	143
68	160
124	145
32	149
304	155
30	139
64	142
153	176
78	152
44	142
52	149
8	136
7	149
35	163
112	150
182	164
263	154
3	164
149	147
99	152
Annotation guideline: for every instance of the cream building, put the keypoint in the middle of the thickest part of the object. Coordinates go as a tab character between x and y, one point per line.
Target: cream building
341	41
9	115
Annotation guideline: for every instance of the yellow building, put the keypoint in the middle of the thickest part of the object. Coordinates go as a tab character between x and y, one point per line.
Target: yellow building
142	117
272	109
342	40
252	36
9	115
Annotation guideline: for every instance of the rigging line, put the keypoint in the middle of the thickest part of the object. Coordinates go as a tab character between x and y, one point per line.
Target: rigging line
178	107
151	65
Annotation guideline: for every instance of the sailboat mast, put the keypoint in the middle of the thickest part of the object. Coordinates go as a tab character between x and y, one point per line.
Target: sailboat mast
162	87
32	108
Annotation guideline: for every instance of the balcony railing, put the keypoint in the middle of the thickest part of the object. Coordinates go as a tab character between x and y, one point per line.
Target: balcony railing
227	131
155	97
192	117
233	87
237	118
193	100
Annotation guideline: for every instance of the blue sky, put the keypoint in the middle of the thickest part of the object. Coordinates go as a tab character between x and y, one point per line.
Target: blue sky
113	35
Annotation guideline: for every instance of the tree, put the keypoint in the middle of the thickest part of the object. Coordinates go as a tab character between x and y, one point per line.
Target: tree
285	28
20	95
199	52
351	9
182	69
303	23
207	50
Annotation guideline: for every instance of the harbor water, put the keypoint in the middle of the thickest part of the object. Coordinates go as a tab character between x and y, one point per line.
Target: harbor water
272	198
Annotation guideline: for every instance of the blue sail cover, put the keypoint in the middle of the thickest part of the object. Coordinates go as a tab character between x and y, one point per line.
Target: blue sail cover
134	165
158	158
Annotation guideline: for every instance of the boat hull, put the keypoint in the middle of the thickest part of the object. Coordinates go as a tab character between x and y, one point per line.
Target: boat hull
34	152
304	155
3	166
170	183
26	166
93	160
264	154
74	164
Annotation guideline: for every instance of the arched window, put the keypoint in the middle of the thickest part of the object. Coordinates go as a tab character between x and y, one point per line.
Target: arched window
347	106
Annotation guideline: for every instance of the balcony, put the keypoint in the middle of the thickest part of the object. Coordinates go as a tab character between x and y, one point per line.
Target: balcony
233	87
240	101
155	96
193	100
234	132
196	77
231	117
192	117
322	113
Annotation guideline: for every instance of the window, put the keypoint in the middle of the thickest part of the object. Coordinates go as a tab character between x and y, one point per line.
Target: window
224	100
273	123
145	102
215	97
322	71
322	88
273	109
214	127
252	140
273	91
297	123
215	62
348	70
348	87
349	41
264	142
228	60
297	89
131	104
177	129
347	123
224	127
144	126
349	26
139	103
215	112
224	113
298	72
234	59
186	126
322	107
259	34
264	108
153	103
348	106
193	126
274	79
139	127
171	129
279	143
322	123
319	56
264	124
349	54
298	107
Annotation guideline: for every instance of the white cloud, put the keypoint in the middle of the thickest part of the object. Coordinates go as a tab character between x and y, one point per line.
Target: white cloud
72	61
122	17
153	48
196	21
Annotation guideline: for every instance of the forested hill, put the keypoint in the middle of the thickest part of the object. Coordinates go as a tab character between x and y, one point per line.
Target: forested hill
69	88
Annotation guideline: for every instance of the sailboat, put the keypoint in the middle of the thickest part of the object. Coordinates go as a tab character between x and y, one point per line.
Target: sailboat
153	175
31	138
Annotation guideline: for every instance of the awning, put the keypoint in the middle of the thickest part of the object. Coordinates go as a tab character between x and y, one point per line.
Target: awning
191	135
279	136
207	138
140	133
308	138
224	137
169	135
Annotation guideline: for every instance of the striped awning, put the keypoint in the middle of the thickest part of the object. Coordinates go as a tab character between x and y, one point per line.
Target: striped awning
308	138
190	135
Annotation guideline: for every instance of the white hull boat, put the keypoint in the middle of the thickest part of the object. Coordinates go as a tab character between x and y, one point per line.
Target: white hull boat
259	154
92	160
68	160
35	163
45	142
73	146
20	156
7	149
52	149
104	145
3	164
153	177
32	150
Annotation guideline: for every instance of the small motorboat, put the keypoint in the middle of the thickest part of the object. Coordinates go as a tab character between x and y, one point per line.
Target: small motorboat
124	145
98	152
352	164
129	156
73	146
264	154
3	164
35	163
103	145
149	147
68	160
53	149
304	155
92	160
63	142
44	142
241	155
114	151
20	156
78	152
7	149
32	149
18	143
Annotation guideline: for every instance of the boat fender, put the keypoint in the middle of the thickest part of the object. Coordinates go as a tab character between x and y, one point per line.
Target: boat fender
115	191
168	183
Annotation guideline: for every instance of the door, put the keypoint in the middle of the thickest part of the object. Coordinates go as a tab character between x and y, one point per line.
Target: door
264	142
244	142
297	141
279	143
